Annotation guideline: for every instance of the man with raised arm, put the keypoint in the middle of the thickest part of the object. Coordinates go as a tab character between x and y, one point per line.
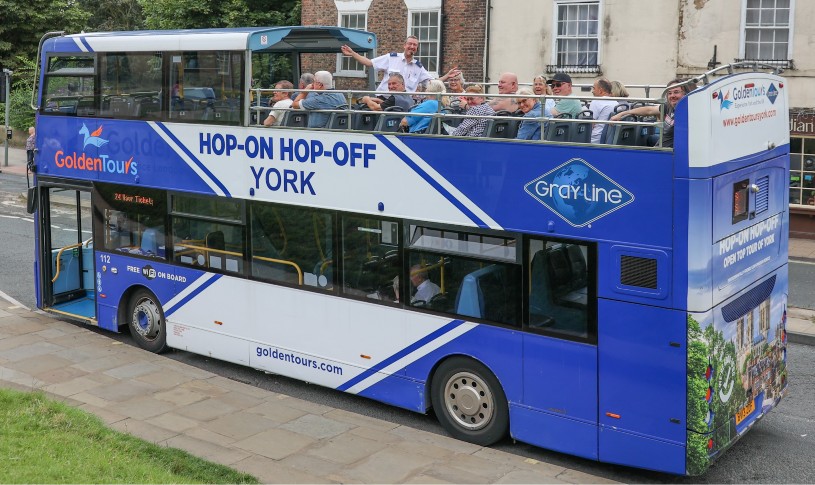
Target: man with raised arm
400	62
316	100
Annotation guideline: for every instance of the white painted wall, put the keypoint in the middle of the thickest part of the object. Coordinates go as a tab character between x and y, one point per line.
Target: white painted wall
645	41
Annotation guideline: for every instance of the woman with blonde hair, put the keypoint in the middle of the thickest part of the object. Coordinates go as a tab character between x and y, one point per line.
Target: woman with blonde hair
430	104
618	90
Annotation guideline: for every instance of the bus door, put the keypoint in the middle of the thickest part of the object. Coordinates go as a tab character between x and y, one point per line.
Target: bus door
66	254
559	409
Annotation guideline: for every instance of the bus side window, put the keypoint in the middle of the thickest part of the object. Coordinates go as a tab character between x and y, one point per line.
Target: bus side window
559	287
133	220
371	257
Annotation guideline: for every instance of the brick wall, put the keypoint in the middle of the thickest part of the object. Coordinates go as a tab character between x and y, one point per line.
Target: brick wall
463	24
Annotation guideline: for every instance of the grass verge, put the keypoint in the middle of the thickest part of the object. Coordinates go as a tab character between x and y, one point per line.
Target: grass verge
44	441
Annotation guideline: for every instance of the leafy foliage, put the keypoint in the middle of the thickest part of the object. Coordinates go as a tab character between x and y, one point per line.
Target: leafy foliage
25	22
196	14
21	116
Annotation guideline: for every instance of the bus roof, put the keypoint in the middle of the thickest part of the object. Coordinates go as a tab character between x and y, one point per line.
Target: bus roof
303	39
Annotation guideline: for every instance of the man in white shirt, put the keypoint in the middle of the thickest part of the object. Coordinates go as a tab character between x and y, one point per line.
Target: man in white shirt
282	100
403	63
425	289
601	109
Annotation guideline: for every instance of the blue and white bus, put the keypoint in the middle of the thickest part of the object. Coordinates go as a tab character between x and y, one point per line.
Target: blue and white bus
620	302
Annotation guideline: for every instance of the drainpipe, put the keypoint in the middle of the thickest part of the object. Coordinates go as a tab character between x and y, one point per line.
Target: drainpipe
485	74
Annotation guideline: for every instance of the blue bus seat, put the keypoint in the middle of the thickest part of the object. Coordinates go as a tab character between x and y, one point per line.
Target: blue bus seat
482	294
625	135
506	129
152	241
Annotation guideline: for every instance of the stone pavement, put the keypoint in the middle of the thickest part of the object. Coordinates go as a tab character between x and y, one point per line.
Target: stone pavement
277	438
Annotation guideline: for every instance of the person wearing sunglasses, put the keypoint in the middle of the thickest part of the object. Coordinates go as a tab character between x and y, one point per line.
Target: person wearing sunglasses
562	87
673	94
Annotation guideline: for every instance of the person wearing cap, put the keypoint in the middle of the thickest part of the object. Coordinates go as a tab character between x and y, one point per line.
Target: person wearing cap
562	87
400	62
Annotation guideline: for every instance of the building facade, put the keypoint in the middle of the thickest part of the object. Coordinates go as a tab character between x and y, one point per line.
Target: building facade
451	33
632	41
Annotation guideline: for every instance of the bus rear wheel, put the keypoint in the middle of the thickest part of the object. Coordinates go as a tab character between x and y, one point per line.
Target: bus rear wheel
469	401
146	321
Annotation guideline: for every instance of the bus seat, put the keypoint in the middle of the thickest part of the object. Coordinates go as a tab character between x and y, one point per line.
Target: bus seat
578	266
389	123
364	121
543	311
215	240
559	131
481	294
338	121
625	135
581	132
296	119
152	241
560	270
506	129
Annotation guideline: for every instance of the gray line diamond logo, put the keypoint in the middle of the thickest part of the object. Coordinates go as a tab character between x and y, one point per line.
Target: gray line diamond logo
578	192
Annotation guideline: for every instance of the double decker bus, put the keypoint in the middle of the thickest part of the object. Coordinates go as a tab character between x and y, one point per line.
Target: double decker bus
620	302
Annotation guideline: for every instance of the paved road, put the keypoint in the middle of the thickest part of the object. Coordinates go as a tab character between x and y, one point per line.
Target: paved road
780	449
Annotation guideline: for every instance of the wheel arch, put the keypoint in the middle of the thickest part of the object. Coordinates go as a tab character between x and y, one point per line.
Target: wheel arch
124	303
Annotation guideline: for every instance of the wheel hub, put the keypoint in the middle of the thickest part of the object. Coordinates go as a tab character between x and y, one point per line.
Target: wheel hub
146	319
469	401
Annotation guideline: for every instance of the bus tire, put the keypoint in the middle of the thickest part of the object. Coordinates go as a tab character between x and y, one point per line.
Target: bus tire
469	401
145	319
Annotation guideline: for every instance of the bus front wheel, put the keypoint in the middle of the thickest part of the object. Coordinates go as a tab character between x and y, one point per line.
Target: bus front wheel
146	321
469	401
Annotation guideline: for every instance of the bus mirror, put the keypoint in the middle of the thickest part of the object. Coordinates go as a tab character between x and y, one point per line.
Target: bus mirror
31	200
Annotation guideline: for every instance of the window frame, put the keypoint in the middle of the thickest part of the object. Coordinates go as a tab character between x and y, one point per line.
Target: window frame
420	7
802	148
555	65
362	72
592	271
743	28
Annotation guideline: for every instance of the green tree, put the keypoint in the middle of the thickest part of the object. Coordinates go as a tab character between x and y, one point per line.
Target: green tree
200	14
21	116
24	23
107	15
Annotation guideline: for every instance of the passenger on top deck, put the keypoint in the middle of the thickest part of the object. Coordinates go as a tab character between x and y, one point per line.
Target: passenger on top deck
530	129
396	84
507	84
403	63
477	107
562	86
281	101
456	85
430	104
618	90
305	79
315	100
540	88
601	109
673	95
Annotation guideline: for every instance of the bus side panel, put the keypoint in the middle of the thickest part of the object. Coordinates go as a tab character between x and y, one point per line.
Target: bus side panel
642	381
553	432
630	449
